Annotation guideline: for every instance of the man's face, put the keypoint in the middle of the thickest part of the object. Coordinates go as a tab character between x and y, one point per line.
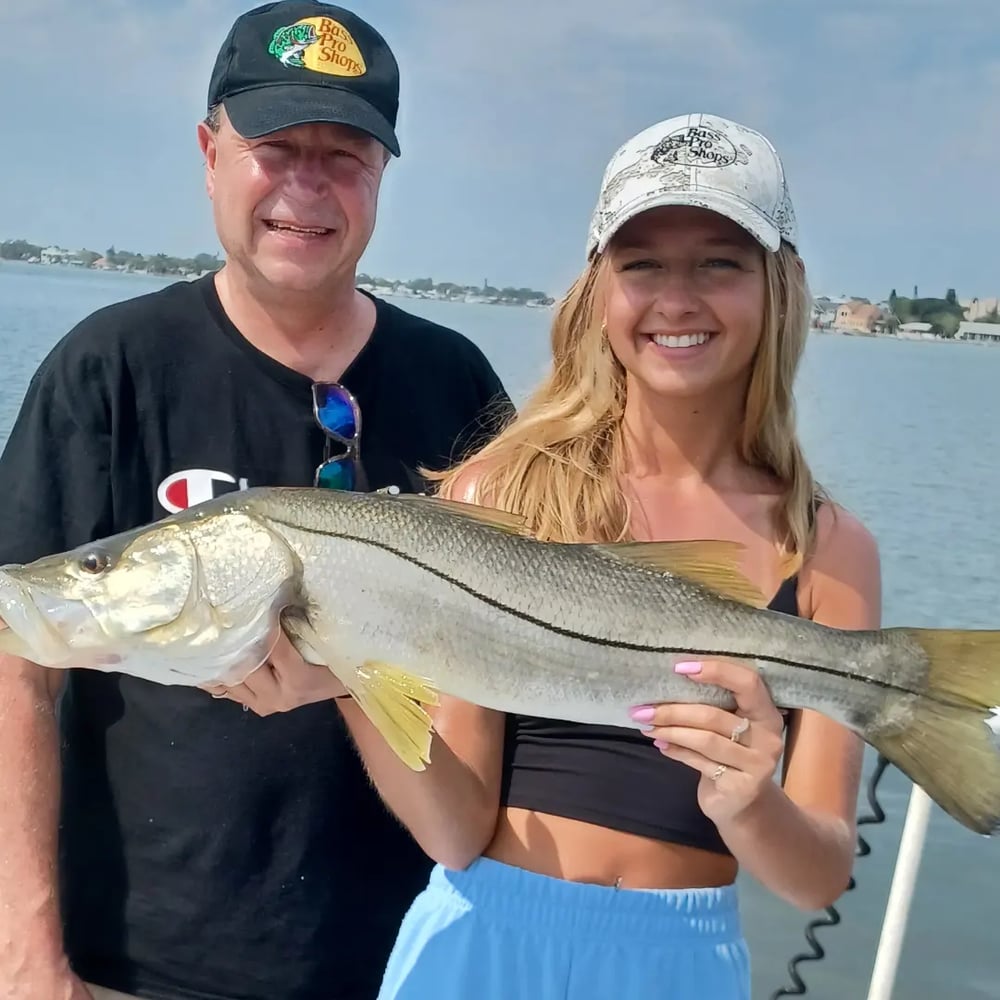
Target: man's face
294	209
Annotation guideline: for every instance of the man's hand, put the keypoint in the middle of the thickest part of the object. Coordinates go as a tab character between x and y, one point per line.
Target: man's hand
284	682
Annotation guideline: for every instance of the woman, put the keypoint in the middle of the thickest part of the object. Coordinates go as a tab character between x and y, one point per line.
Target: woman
586	861
667	415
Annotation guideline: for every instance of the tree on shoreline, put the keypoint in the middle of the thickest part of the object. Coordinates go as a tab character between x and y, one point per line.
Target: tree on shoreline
944	315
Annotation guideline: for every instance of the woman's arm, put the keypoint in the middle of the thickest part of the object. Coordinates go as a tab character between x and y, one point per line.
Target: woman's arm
798	839
841	586
451	807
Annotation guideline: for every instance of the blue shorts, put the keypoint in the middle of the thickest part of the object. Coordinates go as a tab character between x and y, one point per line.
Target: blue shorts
494	932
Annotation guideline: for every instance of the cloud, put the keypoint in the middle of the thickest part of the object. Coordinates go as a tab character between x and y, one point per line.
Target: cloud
512	111
884	113
527	42
111	94
130	52
587	63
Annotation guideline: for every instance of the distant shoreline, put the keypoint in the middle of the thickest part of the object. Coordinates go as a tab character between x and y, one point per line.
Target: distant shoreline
161	266
466	295
922	339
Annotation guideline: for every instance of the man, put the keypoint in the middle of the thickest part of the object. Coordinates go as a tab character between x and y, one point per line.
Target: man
205	853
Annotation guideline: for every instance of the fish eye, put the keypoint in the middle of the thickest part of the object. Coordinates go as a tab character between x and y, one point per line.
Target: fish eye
95	562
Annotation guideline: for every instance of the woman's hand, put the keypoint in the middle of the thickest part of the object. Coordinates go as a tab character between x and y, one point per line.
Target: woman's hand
282	683
736	752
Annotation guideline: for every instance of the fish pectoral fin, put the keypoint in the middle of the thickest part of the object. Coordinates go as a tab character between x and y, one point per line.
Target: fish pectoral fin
513	524
408	685
394	702
712	563
391	698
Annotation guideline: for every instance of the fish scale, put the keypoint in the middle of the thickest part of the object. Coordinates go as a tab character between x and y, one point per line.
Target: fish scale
606	607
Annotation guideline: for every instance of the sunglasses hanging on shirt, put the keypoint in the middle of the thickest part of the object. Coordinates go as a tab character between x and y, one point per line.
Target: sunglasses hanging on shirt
338	414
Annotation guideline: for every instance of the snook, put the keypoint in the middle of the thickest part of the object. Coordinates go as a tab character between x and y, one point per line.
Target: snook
406	597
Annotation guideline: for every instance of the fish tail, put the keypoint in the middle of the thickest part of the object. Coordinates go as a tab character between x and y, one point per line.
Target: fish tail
949	747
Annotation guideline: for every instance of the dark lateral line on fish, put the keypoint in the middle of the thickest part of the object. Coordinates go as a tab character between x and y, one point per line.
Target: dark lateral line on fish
593	639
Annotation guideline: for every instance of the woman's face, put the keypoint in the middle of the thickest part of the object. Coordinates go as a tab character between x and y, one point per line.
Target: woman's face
685	301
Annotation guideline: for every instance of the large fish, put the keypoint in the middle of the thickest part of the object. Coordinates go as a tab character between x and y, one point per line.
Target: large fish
405	597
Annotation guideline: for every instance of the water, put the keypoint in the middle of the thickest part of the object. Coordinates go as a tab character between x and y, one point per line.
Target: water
907	435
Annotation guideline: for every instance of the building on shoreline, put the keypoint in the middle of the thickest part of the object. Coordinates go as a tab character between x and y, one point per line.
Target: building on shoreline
984	333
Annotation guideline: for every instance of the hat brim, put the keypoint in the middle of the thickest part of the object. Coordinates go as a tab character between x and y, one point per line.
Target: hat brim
762	229
259	112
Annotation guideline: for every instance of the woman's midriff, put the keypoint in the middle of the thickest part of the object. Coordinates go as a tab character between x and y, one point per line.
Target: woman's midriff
584	852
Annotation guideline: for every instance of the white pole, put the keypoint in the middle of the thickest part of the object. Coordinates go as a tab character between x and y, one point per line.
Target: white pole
897	909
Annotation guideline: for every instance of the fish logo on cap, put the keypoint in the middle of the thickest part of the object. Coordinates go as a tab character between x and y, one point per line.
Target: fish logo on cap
699	146
320	44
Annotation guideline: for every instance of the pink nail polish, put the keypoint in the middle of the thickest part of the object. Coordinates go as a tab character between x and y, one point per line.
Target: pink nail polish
660	744
687	668
642	713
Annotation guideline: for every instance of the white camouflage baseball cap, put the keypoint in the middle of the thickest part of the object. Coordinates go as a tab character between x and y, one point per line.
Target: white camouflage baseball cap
699	160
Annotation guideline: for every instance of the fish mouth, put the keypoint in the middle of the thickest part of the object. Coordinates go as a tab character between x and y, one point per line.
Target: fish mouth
24	628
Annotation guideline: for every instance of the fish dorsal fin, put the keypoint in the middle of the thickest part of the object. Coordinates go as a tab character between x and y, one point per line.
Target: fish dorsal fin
711	563
513	524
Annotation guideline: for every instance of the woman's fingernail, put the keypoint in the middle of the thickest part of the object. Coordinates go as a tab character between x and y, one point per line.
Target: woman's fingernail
660	744
642	713
687	668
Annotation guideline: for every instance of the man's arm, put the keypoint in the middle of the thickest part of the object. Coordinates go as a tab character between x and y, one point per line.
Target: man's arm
32	962
54	473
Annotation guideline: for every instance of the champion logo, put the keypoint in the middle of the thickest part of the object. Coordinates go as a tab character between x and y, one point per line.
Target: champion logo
193	486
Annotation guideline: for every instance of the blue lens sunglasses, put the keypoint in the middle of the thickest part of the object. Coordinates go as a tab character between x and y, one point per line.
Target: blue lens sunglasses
338	414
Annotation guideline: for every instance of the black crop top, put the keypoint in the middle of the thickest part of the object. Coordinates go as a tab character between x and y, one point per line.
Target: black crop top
609	775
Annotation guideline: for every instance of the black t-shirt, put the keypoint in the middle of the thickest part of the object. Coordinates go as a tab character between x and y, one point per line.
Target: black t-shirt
206	852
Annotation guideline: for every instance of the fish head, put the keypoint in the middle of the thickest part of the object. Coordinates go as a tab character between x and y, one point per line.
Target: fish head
189	598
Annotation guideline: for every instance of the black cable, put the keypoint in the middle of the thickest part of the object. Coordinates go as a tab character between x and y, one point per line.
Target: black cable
831	918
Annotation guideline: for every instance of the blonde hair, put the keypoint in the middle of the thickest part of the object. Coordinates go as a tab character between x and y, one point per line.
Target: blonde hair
561	461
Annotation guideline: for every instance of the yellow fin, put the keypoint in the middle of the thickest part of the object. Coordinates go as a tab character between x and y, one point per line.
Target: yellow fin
512	523
947	741
964	664
711	563
391	698
953	754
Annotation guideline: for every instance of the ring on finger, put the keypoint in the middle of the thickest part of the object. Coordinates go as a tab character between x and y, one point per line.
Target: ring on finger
719	772
743	727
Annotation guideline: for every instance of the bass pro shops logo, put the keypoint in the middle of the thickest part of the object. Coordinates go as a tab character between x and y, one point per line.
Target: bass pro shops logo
193	486
699	146
319	44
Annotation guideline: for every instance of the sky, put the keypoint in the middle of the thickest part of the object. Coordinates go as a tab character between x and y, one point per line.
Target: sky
885	112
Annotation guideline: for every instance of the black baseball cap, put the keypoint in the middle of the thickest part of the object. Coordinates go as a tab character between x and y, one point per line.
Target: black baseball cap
298	61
